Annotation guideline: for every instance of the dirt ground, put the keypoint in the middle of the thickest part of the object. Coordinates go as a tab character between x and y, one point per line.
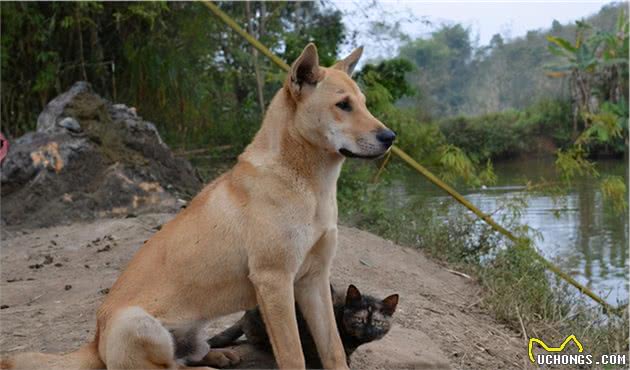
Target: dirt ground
53	279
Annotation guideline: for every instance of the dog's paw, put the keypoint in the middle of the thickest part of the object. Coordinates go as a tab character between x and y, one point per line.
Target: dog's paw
221	357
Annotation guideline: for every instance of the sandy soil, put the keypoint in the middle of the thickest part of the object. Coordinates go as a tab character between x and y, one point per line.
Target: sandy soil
53	279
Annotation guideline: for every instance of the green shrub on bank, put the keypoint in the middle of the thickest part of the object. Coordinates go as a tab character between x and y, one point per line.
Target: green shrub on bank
509	133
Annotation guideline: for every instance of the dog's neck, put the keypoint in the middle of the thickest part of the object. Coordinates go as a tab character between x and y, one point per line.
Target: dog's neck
279	142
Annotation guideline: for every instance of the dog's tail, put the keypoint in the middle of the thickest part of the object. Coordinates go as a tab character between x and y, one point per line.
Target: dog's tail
85	357
228	336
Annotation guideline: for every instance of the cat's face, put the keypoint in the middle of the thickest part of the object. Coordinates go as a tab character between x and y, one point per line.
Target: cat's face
366	318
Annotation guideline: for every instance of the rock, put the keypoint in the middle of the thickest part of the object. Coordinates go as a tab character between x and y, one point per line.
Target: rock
70	124
47	120
90	158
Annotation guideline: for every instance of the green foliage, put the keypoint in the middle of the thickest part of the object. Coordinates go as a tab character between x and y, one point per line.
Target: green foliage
175	62
517	274
509	133
390	74
597	67
572	163
383	85
494	135
441	63
614	189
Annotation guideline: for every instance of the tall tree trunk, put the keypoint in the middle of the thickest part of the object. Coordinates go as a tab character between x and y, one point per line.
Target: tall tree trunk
250	29
80	33
97	56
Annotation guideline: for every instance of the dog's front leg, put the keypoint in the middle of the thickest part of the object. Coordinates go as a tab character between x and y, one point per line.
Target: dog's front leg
314	298
274	293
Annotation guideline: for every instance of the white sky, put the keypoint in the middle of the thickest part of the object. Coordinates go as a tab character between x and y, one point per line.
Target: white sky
485	18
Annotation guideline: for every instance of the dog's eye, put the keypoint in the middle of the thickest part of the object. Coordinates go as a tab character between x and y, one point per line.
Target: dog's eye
344	105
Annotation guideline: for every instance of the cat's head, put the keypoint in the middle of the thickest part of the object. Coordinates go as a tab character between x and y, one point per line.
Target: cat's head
366	318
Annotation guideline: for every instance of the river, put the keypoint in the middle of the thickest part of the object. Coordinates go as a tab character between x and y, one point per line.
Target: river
579	231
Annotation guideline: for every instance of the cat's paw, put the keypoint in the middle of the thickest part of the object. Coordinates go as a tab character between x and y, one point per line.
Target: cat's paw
221	357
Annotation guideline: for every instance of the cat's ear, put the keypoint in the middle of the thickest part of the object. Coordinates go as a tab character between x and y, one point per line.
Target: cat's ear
389	304
353	296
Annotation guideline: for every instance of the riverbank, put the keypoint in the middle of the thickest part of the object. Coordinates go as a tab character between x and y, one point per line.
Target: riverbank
53	279
518	290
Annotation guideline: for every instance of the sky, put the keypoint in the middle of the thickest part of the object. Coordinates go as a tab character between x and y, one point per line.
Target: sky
485	18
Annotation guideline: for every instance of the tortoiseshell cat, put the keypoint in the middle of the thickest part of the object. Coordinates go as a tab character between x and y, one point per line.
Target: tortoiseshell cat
360	319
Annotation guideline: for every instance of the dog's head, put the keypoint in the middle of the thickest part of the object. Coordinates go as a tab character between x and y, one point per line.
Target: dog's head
330	107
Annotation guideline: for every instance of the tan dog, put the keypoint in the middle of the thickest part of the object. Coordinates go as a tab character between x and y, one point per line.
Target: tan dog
263	233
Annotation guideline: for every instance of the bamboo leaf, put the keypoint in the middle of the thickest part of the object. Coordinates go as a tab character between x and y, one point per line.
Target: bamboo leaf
564	44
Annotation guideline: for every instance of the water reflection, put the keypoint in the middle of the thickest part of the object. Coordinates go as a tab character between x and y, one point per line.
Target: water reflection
580	233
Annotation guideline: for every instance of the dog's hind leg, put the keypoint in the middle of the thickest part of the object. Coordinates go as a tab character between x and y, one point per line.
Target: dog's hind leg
191	347
137	340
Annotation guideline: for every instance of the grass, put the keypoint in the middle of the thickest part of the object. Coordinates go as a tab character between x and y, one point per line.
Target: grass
518	290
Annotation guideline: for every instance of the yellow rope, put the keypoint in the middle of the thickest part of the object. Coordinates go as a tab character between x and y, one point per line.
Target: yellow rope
418	167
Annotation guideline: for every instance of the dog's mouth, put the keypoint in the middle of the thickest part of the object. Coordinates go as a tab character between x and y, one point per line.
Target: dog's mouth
348	154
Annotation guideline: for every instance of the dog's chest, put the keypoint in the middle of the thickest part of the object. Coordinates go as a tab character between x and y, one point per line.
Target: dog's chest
323	218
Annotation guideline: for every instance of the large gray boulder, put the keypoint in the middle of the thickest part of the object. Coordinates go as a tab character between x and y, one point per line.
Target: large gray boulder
90	158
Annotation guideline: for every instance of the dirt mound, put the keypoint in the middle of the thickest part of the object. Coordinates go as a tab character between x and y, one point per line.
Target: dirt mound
90	158
53	280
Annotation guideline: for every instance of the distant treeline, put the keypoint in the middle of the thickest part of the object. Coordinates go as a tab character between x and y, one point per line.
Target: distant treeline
453	76
559	88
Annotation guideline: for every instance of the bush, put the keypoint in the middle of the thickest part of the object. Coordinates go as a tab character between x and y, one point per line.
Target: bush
509	133
494	135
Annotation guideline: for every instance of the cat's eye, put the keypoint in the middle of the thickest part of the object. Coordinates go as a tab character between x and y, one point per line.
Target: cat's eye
344	105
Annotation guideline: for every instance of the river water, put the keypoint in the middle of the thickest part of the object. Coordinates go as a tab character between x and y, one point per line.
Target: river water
579	231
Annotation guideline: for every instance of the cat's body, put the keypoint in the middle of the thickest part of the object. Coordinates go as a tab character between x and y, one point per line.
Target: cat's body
360	319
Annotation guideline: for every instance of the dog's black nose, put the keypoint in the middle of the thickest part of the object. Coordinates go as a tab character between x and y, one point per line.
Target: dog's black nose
386	137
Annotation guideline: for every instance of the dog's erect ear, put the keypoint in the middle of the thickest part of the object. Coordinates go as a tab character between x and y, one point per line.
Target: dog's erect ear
389	304
347	65
305	70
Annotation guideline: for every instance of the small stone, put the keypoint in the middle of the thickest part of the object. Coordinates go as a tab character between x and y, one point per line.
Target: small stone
68	287
4	306
70	124
104	249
